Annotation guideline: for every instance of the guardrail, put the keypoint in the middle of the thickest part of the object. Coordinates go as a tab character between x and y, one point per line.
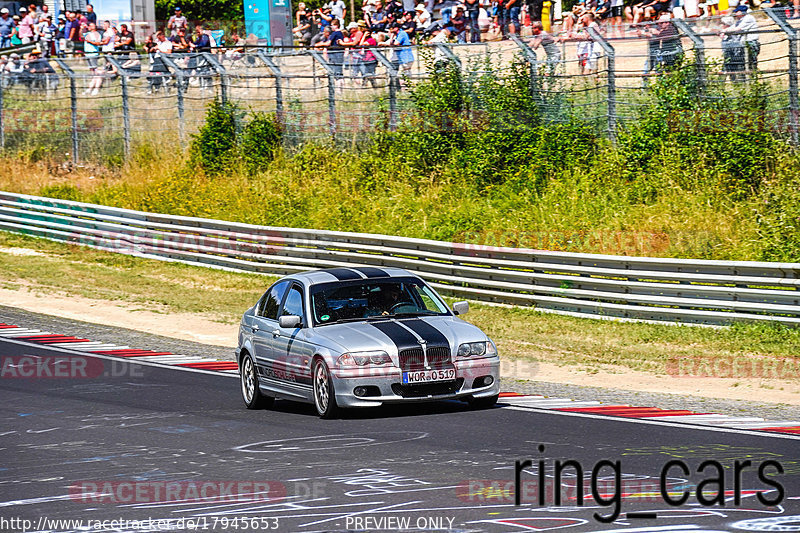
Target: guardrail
642	288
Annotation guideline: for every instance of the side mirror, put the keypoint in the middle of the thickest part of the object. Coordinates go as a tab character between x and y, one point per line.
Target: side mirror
460	308
290	321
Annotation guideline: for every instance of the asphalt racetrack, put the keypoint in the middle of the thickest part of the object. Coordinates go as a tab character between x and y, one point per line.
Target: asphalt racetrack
120	446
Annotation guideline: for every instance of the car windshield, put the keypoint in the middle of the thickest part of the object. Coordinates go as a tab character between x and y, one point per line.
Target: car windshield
366	299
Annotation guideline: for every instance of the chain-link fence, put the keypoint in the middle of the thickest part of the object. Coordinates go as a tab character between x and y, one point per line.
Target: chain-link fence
98	108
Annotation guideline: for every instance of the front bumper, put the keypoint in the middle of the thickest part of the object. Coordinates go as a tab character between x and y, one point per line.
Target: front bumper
388	381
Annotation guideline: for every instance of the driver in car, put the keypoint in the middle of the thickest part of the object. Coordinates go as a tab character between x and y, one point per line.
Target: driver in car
384	299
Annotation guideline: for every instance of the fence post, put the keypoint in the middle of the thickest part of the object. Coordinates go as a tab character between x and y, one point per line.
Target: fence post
126	111
699	52
177	73
73	96
278	75
223	75
530	57
791	33
611	75
331	91
2	124
391	69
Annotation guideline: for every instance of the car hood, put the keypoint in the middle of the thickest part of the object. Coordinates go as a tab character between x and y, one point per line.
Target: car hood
392	335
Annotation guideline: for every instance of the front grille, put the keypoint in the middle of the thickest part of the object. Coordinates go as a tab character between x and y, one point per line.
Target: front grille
414	359
423	390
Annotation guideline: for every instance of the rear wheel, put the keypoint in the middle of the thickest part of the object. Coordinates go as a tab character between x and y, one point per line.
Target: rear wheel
324	397
251	394
483	403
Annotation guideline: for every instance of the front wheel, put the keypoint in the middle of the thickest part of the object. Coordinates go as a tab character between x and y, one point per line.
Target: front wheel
324	397
483	403
251	394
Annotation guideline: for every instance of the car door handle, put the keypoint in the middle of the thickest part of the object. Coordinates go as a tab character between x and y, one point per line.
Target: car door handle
255	328
276	333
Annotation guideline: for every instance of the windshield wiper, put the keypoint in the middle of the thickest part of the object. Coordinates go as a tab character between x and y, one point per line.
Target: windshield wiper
354	319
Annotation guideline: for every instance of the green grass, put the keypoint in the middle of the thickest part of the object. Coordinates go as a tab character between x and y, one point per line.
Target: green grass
521	333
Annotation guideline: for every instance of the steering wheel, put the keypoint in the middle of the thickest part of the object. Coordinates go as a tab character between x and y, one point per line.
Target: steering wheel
393	309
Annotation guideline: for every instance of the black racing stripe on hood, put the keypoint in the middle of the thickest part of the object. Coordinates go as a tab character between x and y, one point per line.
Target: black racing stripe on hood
433	336
342	274
372	272
400	336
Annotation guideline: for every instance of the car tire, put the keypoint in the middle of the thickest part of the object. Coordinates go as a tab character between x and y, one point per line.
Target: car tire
324	397
483	403
251	393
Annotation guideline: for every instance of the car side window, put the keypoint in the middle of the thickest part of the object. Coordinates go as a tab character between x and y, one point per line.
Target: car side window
268	307
294	302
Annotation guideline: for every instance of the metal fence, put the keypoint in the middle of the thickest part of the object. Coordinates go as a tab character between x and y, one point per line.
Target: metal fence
603	79
642	288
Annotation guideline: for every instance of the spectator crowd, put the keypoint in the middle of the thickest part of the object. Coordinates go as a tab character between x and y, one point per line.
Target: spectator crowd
394	24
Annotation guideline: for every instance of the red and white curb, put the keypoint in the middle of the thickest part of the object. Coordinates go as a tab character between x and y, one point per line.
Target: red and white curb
590	407
791	427
37	336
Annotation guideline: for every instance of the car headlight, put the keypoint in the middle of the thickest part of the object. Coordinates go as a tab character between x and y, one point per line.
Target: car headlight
377	357
477	349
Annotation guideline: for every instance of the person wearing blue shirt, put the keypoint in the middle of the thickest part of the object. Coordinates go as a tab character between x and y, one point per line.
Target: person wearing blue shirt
6	28
402	55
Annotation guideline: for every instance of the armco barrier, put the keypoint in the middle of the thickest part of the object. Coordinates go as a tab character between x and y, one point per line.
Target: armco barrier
643	288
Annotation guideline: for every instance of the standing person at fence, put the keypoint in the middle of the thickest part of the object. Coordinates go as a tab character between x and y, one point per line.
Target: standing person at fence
26	26
60	43
75	35
334	43
176	22
92	41
473	13
338	10
588	53
403	56
732	50
370	62
512	10
15	40
745	27
46	31
158	69
548	42
6	28
91	16
109	40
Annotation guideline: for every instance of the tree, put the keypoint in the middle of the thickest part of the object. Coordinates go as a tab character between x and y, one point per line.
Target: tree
202	10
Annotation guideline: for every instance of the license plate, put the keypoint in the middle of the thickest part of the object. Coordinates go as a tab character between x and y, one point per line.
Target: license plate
427	376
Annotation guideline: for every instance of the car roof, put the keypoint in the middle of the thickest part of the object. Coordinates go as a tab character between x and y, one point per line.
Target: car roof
329	275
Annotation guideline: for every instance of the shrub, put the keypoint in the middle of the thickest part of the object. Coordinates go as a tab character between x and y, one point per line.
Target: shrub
214	146
261	137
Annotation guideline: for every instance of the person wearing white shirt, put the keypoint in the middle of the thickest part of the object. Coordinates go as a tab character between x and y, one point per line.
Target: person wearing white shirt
109	37
746	26
338	10
422	17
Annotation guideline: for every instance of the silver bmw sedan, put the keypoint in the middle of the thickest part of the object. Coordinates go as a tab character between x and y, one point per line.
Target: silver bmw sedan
362	337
